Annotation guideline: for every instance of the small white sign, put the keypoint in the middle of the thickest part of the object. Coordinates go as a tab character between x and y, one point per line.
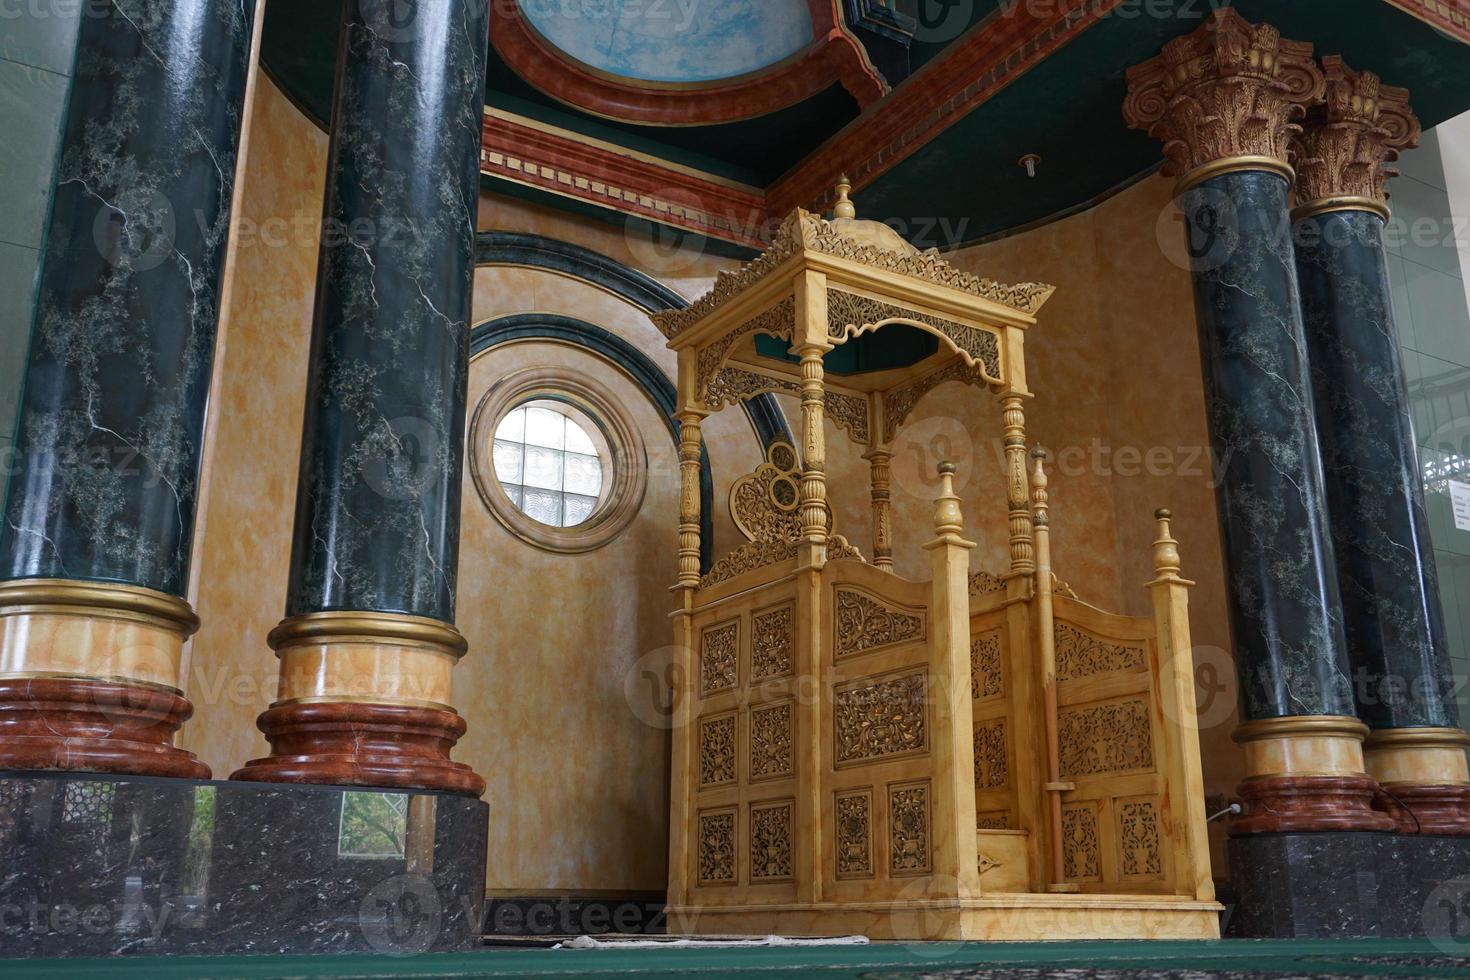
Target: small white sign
1460	501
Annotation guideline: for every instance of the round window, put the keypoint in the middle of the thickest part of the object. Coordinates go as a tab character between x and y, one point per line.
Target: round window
557	459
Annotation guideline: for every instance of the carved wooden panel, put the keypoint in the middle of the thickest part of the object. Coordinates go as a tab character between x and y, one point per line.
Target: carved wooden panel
849	312
719	657
908	829
854	819
772	641
1104	738
716	851
1139	851
717	750
771	753
1081	848
993	820
864	623
770	842
991	769
985	668
878	720
1080	654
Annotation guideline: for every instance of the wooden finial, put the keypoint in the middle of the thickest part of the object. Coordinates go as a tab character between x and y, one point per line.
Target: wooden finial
1166	549
844	207
947	516
1039	496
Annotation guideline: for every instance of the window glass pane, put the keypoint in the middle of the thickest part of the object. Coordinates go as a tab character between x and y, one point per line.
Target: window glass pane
543	468
513	426
579	509
583	474
545	428
578	441
508	461
543	506
513	492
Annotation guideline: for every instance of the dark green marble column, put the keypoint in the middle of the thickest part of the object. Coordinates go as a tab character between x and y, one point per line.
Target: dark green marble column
99	510
1385	561
1225	102
370	606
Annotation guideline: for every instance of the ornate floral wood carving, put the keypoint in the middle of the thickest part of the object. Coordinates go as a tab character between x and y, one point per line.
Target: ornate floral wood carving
1138	839
899	402
1230	89
849	314
778	321
864	624
854	820
717	751
984	583
803	230
717	848
1106	738
1081	857
992	820
719	657
1346	144
764	504
772	643
747	558
985	666
1080	654
733	384
849	412
771	754
770	842
880	720
991	768
908	829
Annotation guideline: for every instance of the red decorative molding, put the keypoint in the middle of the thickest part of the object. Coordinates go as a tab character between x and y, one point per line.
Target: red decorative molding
990	56
93	726
346	743
834	56
1289	804
1450	16
567	164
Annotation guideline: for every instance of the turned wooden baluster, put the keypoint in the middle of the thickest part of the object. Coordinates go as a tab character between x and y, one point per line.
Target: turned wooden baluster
1046	648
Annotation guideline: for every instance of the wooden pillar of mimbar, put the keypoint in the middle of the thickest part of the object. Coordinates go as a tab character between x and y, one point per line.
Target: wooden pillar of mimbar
1385	564
368	644
1225	101
100	508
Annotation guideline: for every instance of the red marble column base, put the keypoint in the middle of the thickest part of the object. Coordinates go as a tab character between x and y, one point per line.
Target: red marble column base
1438	810
93	726
1287	804
348	743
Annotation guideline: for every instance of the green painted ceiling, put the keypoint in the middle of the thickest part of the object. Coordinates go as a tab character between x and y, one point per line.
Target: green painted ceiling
966	184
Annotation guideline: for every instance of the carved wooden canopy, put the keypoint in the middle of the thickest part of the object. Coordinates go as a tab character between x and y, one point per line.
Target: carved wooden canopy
823	283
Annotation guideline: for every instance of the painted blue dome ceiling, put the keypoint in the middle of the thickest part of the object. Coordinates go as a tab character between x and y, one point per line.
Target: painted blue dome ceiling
674	41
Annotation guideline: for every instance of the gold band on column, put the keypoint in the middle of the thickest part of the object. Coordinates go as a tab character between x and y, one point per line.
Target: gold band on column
1349	203
1233	165
366	657
90	677
1303	745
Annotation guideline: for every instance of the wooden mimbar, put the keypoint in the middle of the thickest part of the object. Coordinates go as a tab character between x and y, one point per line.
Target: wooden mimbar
976	756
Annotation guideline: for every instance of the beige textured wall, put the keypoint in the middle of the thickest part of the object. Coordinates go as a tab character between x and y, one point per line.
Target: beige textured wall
578	782
255	413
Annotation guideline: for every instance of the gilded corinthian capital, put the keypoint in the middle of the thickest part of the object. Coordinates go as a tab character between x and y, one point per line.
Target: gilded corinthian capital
1226	97
1342	153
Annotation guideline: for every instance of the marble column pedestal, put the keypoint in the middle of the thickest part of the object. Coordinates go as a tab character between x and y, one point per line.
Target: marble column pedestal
1347	885
102	865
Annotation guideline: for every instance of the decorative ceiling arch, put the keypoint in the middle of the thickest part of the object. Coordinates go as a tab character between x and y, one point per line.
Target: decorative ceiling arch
829	55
